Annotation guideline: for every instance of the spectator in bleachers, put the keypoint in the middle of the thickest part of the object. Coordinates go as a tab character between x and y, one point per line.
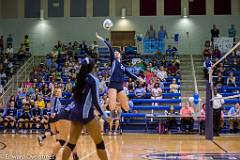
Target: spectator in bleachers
234	112
83	46
10	117
26	43
36	114
214	32
156	93
24	118
151	33
22	94
173	69
231	80
139	91
68	86
174	87
10	40
170	51
46	91
1	44
171	121
232	32
202	118
115	115
148	74
187	120
206	66
22	53
219	81
45	117
162	74
40	102
150	85
9	49
130	85
217	53
207	52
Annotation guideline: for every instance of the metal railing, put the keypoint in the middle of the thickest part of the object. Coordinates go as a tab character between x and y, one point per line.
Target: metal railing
21	76
194	76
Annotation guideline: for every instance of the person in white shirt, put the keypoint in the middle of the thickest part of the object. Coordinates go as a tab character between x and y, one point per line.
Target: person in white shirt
162	74
156	93
9	49
218	102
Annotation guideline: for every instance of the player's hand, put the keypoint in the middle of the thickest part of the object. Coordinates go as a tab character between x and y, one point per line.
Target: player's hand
53	115
99	37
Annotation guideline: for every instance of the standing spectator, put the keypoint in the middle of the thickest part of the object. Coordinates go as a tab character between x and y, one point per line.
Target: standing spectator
234	112
156	93
214	32
162	34
232	32
10	40
26	43
115	115
216	53
2	44
151	33
9	49
202	118
217	108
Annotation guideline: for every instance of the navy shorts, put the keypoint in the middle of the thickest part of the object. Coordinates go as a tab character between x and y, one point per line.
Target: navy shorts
116	85
74	116
64	115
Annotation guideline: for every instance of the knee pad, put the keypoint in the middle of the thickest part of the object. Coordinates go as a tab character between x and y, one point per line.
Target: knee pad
71	146
101	145
62	142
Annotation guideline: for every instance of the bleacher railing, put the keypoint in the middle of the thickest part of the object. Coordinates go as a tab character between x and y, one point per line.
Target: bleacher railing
22	75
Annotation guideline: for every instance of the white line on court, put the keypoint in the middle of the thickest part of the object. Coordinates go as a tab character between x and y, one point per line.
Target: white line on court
93	152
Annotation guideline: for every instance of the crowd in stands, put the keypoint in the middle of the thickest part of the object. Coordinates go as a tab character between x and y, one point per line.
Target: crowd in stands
29	107
9	58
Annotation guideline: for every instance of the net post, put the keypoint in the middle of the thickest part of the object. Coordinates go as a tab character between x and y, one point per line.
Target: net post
209	114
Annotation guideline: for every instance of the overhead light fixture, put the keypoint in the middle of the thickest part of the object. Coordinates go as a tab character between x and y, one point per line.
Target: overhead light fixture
185	12
41	14
123	13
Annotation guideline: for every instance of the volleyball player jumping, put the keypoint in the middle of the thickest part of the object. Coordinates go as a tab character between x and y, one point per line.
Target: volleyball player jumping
117	78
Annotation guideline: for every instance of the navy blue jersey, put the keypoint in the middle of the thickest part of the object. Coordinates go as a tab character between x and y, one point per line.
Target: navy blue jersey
55	105
83	110
118	70
46	112
12	112
36	112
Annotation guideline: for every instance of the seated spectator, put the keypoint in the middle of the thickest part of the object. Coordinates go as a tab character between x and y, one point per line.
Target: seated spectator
36	114
162	74
140	91
206	66
68	87
148	74
40	102
219	81
10	117
151	33
9	49
234	112
46	91
173	69
187	120
150	86
24	118
174	86
156	93
115	115
169	51
217	53
45	116
202	119
130	85
171	121
231	80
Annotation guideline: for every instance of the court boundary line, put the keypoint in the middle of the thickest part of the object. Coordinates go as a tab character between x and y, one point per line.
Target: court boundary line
93	152
4	146
224	150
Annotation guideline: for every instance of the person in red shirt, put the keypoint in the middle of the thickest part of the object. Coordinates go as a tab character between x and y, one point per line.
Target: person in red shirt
187	120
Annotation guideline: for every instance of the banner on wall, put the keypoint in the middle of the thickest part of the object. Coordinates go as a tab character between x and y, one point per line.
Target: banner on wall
152	46
224	44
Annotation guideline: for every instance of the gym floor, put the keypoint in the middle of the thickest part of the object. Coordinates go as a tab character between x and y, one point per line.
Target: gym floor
127	147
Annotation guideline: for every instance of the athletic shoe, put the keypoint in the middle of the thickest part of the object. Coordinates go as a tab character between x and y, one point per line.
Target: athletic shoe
40	140
4	131
30	131
52	157
114	133
75	156
13	131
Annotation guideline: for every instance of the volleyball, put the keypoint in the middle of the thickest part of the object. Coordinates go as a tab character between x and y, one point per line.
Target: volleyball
107	24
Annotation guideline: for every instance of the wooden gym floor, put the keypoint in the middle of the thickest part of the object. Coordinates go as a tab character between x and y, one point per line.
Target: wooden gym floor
128	147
